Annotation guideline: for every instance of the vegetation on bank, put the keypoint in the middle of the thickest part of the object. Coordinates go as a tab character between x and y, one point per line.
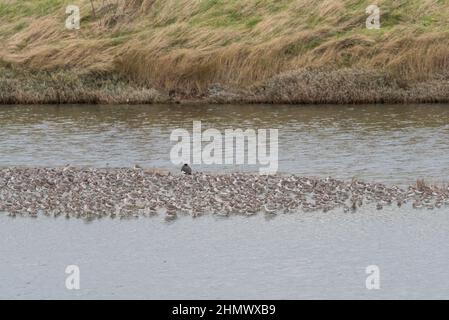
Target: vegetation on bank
294	51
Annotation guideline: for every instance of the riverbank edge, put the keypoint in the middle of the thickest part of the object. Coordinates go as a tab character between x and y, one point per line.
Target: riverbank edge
304	86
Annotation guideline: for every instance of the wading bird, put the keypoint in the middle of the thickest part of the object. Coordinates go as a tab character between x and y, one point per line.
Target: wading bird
186	169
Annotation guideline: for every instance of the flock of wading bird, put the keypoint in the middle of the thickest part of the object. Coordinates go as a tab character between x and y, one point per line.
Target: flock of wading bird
92	193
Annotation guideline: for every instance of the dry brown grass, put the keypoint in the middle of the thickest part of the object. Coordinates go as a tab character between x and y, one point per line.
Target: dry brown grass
275	51
17	87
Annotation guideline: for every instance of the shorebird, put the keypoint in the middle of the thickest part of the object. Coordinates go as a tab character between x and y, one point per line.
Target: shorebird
269	210
125	193
186	169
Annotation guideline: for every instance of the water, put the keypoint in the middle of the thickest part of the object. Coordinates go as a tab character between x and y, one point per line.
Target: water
309	255
290	257
396	144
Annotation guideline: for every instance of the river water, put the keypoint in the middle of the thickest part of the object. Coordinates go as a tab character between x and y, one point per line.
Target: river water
394	144
319	255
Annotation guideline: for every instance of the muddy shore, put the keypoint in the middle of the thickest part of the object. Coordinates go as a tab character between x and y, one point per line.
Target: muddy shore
305	86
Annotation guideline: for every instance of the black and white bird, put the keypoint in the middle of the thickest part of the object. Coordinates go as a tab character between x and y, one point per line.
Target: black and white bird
186	169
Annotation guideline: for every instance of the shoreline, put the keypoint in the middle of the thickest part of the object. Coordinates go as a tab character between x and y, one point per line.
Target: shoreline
92	193
304	86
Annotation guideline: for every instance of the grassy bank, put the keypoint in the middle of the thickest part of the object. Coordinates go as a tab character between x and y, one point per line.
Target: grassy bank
279	51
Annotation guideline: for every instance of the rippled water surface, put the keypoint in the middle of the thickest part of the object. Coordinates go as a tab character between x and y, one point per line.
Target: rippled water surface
382	143
308	255
290	257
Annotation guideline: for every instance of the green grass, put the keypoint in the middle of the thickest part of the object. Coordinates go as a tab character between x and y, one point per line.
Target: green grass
30	8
